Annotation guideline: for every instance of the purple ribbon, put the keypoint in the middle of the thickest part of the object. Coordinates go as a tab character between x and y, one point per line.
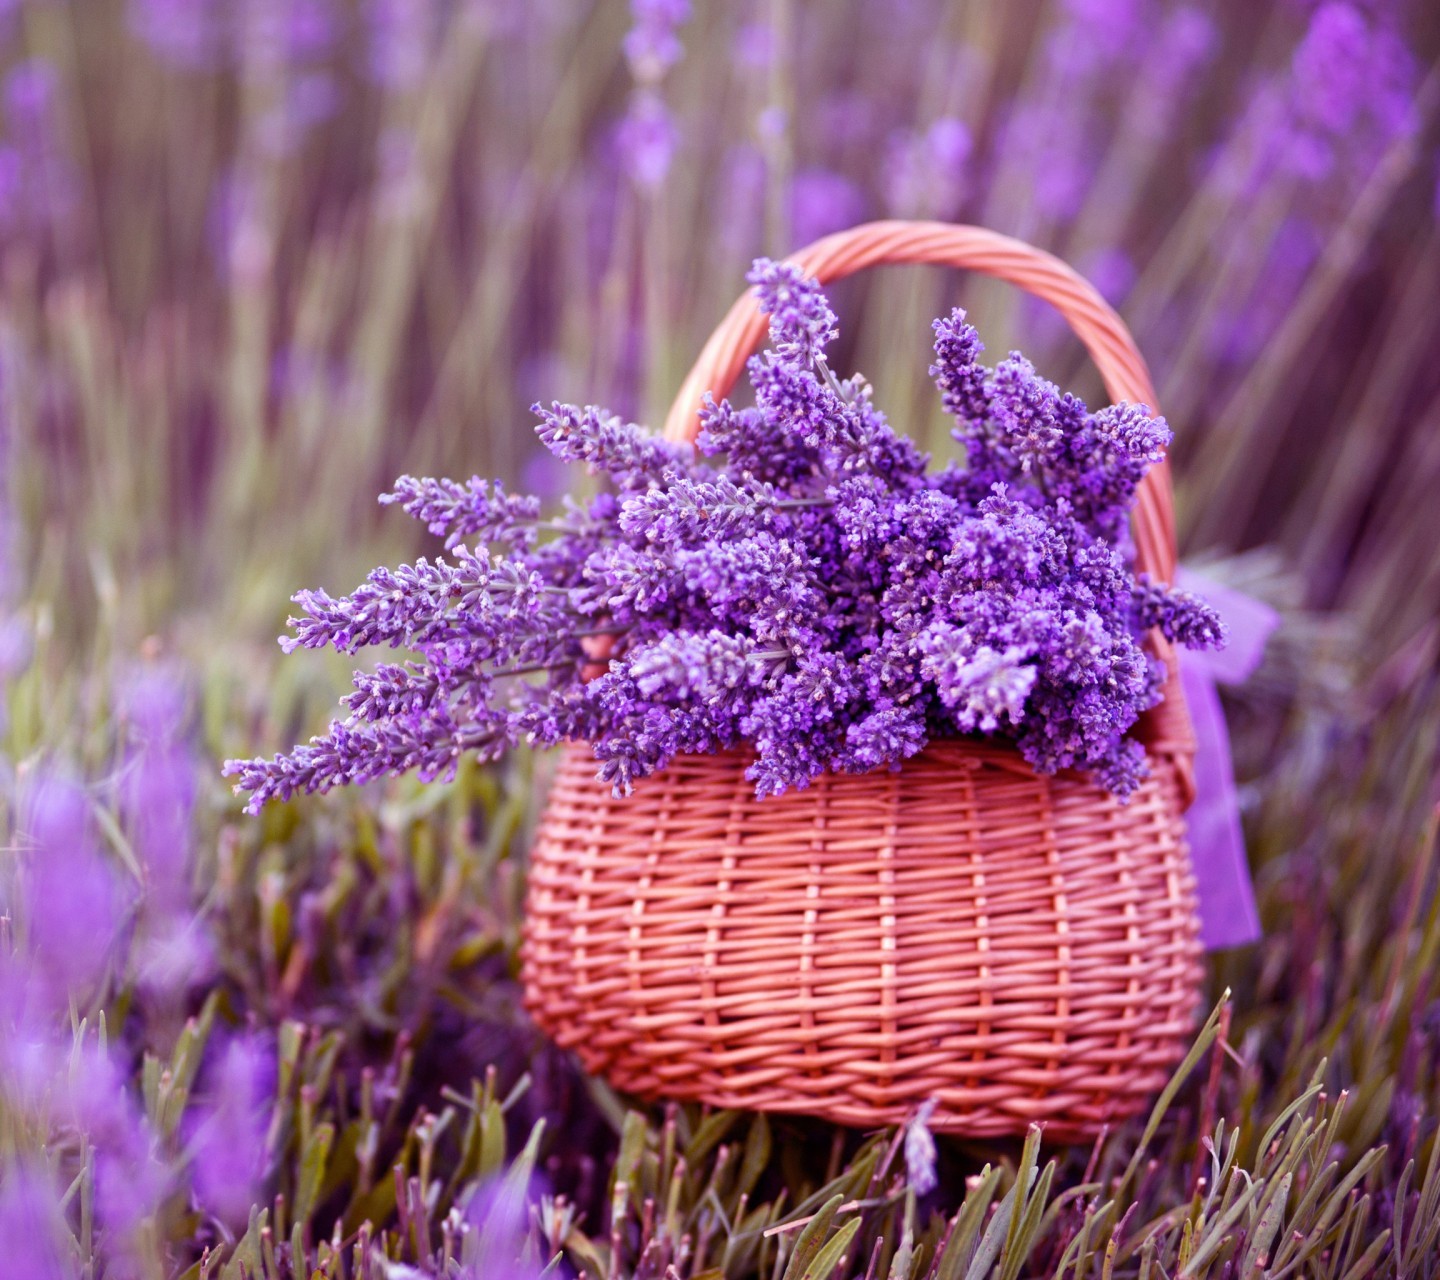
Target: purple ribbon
1217	844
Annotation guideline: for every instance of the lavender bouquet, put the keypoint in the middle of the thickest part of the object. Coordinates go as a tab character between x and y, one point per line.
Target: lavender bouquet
805	586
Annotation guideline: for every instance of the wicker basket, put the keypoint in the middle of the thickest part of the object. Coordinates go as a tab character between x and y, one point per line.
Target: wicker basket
1019	948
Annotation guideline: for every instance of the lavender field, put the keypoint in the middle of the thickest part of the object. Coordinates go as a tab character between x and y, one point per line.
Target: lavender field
259	258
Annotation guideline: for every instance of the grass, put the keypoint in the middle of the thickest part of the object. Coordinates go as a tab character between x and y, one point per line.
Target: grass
370	940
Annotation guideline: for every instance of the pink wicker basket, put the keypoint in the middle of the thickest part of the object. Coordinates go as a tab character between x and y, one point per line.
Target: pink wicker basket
1019	948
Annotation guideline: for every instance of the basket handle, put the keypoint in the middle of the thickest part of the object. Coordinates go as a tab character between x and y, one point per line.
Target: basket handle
946	244
1166	728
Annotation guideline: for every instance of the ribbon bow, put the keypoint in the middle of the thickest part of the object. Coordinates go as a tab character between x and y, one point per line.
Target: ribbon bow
1217	844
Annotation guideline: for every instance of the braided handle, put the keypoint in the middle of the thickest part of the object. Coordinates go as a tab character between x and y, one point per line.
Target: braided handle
945	244
1166	729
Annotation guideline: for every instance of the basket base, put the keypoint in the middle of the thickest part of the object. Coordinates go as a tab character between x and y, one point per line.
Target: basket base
1021	949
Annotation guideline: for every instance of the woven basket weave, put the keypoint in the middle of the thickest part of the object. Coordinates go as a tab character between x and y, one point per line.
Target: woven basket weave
1019	948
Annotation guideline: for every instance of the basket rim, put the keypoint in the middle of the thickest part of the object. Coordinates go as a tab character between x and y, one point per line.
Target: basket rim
982	751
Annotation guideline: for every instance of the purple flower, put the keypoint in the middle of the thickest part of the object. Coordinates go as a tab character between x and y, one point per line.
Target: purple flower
926	172
157	794
153	702
985	688
646	139
131	1176
626	453
289	33
200	35
189	33
891	733
1240	330
74	899
647	136
822	201
459	513
228	1130
1347	94
308	101
39	185
699	509
740	192
1181	615
32	1227
705	668
30	93
85	1092
1099	33
652	46
399	35
755	45
821	596
157	791
351	753
1187	41
423	605
1334	70
12	186
496	1231
801	322
920	1151
157	797
1062	156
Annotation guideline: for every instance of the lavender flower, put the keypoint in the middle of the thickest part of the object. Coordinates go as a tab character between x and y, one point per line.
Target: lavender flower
822	201
646	139
69	949
983	687
460	608
647	136
203	34
281	34
705	668
399	35
354	752
821	596
32	1227
131	1177
157	793
891	733
477	510
699	509
39	183
925	172
801	322
1180	615
193	34
621	450
920	1150
1349	70
652	46
228	1130
30	93
496	1236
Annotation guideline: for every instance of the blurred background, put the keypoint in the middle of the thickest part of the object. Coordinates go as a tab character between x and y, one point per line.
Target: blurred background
259	257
